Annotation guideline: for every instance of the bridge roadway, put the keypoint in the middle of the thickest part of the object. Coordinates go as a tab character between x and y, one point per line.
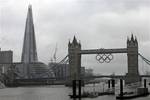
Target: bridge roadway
88	77
111	76
102	51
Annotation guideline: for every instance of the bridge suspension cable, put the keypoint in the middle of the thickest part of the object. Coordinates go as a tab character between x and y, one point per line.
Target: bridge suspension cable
144	59
63	61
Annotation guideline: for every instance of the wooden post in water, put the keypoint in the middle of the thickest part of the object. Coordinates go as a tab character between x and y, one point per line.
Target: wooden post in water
74	88
121	87
79	85
108	83
144	83
113	83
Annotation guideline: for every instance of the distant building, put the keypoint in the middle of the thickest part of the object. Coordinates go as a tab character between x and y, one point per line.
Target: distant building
61	71
6	59
89	72
36	70
82	71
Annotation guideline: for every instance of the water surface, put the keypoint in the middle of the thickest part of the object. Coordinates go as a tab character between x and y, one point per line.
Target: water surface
46	93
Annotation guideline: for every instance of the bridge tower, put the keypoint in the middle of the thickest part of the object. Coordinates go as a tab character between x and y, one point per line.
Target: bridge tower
74	59
132	54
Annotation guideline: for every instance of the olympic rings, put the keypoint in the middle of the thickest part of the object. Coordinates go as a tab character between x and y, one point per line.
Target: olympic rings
104	57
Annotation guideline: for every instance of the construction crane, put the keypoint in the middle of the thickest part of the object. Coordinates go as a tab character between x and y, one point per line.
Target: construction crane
54	56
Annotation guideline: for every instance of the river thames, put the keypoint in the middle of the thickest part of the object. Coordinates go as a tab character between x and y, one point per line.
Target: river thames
46	93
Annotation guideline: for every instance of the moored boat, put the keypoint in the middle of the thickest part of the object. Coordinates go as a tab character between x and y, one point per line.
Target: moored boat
85	95
141	92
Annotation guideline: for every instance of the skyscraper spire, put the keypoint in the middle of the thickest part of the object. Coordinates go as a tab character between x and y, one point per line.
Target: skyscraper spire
29	53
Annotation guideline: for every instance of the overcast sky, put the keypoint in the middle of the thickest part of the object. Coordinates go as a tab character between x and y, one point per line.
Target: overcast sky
96	23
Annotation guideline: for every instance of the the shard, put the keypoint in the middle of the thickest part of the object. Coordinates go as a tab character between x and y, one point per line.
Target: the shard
29	52
30	67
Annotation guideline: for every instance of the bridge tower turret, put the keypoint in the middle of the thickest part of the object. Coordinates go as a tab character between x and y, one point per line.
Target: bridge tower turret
74	59
132	54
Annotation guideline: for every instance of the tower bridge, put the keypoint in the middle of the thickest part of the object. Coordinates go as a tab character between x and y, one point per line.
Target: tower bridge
75	52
